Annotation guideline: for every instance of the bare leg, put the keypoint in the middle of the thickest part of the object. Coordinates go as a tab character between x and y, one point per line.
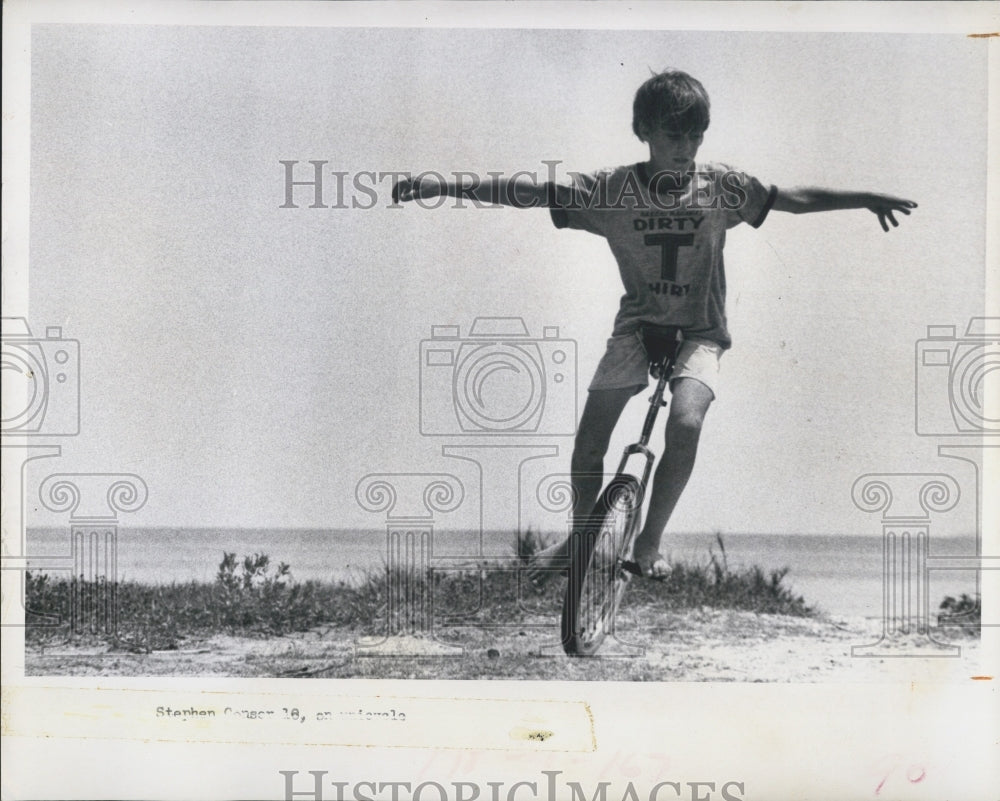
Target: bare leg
600	415
689	403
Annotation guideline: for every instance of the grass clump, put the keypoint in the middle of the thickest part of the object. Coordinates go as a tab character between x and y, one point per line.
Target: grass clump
714	583
247	598
965	613
251	597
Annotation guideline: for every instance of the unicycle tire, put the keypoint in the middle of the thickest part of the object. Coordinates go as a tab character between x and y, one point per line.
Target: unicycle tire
597	579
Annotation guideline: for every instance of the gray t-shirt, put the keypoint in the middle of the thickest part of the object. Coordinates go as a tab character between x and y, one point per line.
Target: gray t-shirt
667	237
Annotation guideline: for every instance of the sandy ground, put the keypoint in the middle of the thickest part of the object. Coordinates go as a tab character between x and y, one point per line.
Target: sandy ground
699	645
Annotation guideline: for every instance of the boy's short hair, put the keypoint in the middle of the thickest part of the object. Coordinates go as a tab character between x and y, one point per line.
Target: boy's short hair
671	100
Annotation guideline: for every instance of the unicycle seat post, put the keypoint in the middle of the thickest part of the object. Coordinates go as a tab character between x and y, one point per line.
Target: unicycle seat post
663	368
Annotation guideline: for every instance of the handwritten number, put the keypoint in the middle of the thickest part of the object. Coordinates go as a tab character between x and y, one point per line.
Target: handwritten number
914	775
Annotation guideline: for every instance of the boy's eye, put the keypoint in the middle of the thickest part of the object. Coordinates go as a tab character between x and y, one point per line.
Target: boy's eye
678	138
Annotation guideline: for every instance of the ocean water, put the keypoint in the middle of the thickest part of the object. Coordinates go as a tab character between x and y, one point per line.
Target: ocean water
841	574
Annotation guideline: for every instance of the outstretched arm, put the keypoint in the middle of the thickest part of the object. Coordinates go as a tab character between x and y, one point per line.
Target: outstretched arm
522	192
805	199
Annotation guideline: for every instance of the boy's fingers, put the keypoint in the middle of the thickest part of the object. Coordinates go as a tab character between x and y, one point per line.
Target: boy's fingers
403	191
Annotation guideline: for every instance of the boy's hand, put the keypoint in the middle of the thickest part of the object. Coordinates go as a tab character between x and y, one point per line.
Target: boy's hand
412	188
883	206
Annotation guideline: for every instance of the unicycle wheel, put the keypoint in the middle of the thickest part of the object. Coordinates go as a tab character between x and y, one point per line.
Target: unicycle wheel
597	578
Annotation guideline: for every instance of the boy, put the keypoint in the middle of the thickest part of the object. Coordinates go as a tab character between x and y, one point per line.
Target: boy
665	220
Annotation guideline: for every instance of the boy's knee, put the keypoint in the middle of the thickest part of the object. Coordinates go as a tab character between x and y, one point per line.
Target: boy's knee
686	424
688	409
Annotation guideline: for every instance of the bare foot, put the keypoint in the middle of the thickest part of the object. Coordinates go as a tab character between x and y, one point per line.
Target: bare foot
549	563
653	564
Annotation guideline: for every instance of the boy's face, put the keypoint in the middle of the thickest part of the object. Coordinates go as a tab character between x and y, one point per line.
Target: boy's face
673	150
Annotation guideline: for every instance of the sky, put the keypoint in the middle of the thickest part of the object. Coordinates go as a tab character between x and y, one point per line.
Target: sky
253	363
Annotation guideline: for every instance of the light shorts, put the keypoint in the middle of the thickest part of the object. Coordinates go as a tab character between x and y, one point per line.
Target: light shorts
625	363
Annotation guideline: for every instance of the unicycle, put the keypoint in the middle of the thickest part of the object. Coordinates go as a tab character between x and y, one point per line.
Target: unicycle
601	563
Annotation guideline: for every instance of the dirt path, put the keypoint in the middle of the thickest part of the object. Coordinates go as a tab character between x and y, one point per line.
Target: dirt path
698	645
